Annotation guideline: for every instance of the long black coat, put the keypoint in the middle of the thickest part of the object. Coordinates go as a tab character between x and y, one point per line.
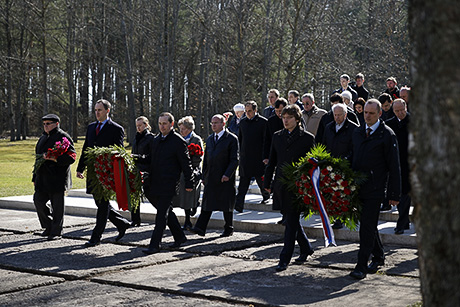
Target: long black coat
274	124
286	148
168	158
339	143
400	128
54	177
251	138
142	146
220	159
110	134
377	156
329	117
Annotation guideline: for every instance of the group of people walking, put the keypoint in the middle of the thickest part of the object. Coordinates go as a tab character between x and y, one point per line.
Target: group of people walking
175	166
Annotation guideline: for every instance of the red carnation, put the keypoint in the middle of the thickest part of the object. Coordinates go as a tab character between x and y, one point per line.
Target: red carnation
300	191
306	200
337	193
344	183
337	177
324	171
347	191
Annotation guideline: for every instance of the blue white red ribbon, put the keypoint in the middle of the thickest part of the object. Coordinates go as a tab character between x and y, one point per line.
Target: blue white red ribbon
315	179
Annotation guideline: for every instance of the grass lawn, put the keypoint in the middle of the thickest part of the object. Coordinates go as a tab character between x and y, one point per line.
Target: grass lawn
16	164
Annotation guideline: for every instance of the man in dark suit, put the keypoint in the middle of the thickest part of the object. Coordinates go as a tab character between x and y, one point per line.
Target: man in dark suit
272	96
219	167
52	178
375	154
102	133
399	123
168	159
251	138
289	145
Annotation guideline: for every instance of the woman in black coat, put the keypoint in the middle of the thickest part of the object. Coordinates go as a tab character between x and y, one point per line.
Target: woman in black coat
289	145
141	151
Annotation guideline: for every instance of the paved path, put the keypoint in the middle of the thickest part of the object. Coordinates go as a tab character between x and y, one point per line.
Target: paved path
206	271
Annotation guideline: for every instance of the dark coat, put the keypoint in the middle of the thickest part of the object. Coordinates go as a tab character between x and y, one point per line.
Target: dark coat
377	156
286	148
189	200
386	115
54	177
401	130
142	146
329	117
268	112
362	92
394	93
110	134
168	159
339	143
220	159
354	94
251	138
234	125
274	124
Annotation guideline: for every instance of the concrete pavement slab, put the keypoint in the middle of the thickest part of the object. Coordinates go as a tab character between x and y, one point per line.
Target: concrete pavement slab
85	293
69	258
23	221
14	281
257	282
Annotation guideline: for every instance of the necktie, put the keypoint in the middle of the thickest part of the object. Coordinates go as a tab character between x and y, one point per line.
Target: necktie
368	132
217	138
98	128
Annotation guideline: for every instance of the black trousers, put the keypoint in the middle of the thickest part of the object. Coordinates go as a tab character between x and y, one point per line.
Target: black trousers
369	238
165	216
403	209
294	231
204	217
52	218
106	211
243	188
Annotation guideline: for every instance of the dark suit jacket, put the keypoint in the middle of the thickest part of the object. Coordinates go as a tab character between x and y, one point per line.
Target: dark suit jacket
274	124
401	130
52	176
377	156
110	134
329	117
142	146
220	159
285	149
339	143
169	157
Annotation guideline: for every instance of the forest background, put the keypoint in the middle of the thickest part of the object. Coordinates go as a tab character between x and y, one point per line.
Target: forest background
188	57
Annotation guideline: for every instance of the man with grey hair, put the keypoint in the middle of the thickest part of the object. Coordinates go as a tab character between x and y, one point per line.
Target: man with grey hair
311	114
375	154
404	94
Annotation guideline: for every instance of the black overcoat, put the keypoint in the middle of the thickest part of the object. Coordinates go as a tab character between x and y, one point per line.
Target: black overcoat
169	158
54	177
251	138
286	148
400	128
142	146
110	134
329	117
220	159
339	143
377	157
274	124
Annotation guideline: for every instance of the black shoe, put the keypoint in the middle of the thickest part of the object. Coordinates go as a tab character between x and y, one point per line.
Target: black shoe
121	232
263	201
187	226
92	243
150	251
399	231
282	266
374	266
337	225
386	207
197	231
302	258
177	244
356	274
53	237
135	223
239	209
45	233
227	233
282	221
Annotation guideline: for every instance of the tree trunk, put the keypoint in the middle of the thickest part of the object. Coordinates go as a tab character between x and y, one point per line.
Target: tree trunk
434	29
9	77
44	70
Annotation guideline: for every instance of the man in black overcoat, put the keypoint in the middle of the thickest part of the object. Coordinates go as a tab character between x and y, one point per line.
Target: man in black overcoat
102	133
375	154
251	138
168	159
52	179
289	145
219	167
399	124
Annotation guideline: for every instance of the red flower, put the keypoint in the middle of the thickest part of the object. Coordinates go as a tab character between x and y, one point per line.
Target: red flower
344	183
337	193
324	171
306	200
347	191
300	192
303	177
337	177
